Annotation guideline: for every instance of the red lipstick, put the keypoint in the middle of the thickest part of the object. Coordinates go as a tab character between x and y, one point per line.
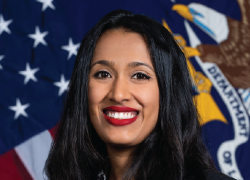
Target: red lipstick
119	122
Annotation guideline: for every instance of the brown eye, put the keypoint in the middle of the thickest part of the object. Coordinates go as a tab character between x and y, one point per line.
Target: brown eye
141	76
102	75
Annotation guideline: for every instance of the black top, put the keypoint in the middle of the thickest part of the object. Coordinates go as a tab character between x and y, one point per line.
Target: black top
209	176
217	176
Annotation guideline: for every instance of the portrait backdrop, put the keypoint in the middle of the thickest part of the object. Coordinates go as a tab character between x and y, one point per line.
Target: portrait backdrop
39	40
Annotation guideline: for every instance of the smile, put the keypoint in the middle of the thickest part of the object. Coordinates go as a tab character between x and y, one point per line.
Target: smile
120	116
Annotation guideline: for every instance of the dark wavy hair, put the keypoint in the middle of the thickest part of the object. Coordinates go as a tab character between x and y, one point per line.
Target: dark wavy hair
174	149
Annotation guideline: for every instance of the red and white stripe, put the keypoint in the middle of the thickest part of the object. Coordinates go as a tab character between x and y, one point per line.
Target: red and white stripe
26	161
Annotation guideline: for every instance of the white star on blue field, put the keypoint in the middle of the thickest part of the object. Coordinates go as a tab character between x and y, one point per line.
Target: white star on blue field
46	4
4	25
62	84
29	73
19	109
38	37
71	48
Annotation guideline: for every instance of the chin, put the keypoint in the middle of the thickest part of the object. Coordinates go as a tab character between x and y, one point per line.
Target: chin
121	141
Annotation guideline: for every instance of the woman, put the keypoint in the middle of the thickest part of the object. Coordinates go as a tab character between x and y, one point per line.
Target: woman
129	112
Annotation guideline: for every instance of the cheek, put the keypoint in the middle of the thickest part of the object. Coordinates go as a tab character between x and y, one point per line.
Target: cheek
95	95
148	97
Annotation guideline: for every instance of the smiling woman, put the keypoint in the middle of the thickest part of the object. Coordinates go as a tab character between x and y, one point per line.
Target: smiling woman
129	112
123	89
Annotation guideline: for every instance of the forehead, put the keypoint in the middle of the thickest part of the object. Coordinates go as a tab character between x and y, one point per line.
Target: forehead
121	46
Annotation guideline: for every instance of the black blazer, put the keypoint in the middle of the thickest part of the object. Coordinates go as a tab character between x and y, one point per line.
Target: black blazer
209	176
217	176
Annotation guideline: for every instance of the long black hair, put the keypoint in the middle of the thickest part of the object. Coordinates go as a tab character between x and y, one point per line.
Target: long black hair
174	149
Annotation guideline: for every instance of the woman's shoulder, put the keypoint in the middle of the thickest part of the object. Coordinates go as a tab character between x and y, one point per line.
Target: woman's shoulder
212	175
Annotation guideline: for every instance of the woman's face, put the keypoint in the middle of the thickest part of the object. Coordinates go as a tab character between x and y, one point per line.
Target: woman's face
123	89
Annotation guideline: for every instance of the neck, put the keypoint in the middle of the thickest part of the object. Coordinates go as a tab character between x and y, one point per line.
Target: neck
119	161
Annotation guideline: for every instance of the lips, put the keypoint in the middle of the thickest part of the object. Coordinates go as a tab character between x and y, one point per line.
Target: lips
126	115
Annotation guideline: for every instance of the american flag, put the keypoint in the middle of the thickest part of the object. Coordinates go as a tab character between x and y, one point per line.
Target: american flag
39	40
37	51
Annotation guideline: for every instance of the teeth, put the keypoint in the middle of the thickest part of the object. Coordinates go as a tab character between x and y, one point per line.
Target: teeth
116	115
121	115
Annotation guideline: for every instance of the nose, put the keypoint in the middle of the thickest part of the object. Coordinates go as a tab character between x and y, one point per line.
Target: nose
119	91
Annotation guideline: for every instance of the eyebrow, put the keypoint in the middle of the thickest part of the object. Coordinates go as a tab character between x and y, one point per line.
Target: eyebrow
137	63
103	62
131	64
